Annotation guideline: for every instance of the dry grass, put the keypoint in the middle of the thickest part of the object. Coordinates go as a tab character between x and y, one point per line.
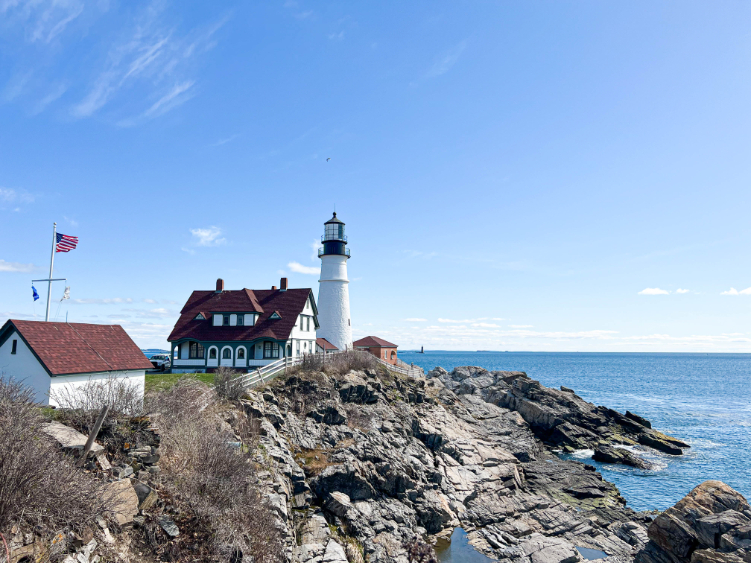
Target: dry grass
228	384
216	481
338	364
313	461
39	486
358	417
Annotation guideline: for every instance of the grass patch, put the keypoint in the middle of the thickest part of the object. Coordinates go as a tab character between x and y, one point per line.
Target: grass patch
313	461
164	381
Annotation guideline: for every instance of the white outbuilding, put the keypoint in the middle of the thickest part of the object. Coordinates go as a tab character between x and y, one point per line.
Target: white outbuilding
59	358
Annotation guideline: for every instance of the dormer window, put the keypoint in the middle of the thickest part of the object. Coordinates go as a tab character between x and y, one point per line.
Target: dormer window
200	317
240	320
225	320
275	315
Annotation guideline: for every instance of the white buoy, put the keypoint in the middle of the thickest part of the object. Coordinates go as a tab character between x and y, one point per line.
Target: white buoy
333	289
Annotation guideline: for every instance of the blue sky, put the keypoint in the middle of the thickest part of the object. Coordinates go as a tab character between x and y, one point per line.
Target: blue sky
513	175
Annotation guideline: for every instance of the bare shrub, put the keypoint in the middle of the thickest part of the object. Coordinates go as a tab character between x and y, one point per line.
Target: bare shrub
420	552
358	417
80	405
188	397
39	485
213	478
228	384
339	364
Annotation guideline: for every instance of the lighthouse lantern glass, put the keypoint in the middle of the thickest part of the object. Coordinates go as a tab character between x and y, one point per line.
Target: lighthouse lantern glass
335	231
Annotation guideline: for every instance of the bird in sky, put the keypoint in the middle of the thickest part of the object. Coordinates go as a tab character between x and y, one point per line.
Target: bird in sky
329	158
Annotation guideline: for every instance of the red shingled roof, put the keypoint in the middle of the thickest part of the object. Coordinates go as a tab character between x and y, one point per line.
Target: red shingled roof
288	304
325	344
65	348
373	341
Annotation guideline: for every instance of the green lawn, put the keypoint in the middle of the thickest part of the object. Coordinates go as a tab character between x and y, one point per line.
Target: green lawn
162	381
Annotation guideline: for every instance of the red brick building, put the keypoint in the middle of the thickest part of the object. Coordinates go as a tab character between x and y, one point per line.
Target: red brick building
378	347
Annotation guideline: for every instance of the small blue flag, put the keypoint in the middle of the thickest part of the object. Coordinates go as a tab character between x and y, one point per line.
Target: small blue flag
36	295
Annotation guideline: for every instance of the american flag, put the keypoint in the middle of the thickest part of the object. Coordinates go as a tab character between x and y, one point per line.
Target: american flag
65	243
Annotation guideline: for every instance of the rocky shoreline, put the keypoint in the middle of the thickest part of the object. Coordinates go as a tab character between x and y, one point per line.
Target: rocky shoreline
369	465
381	459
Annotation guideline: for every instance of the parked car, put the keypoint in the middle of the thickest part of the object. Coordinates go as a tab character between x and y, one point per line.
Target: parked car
161	361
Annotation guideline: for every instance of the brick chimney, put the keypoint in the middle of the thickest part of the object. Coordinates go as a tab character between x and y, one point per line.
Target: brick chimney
283	284
273	288
219	285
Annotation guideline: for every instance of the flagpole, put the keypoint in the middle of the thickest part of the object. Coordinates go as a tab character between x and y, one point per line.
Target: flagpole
52	261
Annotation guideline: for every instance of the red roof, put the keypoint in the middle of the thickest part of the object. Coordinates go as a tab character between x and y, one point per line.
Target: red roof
65	348
287	304
325	344
369	341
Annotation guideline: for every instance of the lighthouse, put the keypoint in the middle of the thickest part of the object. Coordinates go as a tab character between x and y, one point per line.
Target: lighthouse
333	289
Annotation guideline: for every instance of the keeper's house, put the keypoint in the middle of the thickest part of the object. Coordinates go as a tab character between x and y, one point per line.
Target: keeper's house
58	358
243	328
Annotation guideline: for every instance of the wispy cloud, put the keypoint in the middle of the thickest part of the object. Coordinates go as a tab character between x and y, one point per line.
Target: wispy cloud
102	301
158	313
8	195
16	86
653	291
73	222
43	20
15	267
176	96
416	320
679	290
211	236
226	140
445	61
733	291
157	58
420	254
455	321
303	15
336	36
52	96
300	269
521	326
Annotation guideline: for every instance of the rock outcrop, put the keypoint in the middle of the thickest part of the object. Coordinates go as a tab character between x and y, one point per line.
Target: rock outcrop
560	418
711	524
376	459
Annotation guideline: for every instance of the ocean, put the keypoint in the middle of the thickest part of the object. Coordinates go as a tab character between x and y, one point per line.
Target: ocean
703	399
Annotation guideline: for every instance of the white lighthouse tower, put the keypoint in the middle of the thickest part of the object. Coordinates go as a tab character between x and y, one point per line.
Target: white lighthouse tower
333	289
